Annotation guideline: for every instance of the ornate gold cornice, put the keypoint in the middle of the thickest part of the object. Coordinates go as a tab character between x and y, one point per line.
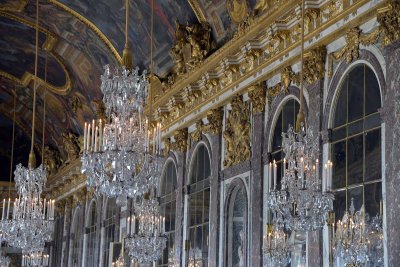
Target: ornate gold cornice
274	42
91	26
48	46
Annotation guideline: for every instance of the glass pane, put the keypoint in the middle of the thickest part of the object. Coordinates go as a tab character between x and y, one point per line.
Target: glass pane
192	209
339	164
357	195
339	134
288	114
356	93
341	106
355	128
173	211
277	138
372	92
355	160
206	205
199	237
339	205
199	206
205	239
373	197
373	155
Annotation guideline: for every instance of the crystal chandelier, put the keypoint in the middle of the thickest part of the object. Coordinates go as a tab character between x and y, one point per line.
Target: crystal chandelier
120	262
4	260
350	241
35	259
375	239
302	202
146	240
276	247
117	158
28	222
195	258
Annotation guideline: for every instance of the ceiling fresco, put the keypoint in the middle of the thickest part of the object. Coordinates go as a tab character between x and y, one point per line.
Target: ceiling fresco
79	38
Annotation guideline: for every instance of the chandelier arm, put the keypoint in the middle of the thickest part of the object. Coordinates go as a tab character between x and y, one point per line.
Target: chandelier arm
300	116
32	160
12	143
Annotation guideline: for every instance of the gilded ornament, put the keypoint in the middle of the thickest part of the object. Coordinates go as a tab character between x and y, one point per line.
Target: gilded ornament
314	65
71	146
51	160
332	9
287	77
260	7
237	10
229	74
196	134
167	146
214	117
192	45
181	140
257	96
237	133
192	94
76	104
390	23
350	50
250	60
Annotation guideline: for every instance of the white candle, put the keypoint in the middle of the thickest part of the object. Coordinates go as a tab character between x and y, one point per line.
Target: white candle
316	171
128	224
275	174
44	208
93	134
88	138
163	225
324	178
284	166
4	208
133	226
8	207
96	139
270	175
84	137
101	136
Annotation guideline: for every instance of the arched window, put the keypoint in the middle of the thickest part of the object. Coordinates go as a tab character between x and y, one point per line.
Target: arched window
356	143
286	117
76	239
199	207
91	236
235	252
109	229
168	208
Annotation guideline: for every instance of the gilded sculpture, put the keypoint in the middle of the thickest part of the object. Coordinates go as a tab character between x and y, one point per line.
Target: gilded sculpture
196	134
261	7
214	117
314	64
52	160
71	146
287	77
390	23
167	146
237	133
192	45
181	140
257	96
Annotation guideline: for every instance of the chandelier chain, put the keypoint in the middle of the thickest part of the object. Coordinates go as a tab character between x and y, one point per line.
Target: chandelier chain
31	156
12	143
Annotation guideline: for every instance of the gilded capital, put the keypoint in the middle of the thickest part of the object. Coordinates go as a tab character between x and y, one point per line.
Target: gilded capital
214	118
196	134
389	22
257	96
181	140
314	65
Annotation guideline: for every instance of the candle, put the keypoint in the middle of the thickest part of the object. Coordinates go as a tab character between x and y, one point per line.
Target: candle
101	135
8	207
275	174
84	137
93	134
95	138
284	166
133	226
128	224
270	175
44	208
324	178
88	138
317	171
4	208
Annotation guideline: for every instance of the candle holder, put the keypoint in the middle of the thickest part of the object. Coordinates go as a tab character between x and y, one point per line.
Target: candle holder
276	248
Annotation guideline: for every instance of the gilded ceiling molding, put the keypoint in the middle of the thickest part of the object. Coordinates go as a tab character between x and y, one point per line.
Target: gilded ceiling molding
197	10
48	46
181	140
314	64
91	26
237	133
14	7
257	96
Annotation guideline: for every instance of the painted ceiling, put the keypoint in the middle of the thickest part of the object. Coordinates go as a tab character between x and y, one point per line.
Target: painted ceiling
77	38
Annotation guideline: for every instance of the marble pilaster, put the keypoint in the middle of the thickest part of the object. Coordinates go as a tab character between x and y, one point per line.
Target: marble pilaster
391	119
215	141
256	190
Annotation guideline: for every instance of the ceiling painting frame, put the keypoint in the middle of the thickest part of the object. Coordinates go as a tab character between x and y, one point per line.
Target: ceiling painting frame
48	45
